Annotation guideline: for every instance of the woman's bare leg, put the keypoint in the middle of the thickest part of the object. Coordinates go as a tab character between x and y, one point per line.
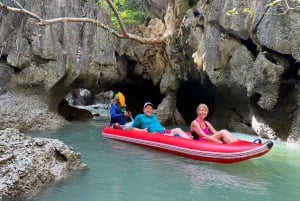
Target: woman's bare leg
180	132
225	136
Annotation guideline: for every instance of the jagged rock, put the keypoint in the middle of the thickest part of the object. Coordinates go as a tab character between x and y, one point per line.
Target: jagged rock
27	164
167	112
244	56
278	31
28	110
265	78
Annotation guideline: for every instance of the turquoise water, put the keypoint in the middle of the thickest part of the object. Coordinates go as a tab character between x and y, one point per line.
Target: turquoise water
118	171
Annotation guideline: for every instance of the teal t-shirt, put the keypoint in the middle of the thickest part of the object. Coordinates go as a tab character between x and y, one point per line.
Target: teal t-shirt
143	121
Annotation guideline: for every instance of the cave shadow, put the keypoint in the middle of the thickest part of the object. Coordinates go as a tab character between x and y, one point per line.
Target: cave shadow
190	95
139	92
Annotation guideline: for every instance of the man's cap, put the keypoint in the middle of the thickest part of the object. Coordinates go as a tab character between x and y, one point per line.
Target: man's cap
148	103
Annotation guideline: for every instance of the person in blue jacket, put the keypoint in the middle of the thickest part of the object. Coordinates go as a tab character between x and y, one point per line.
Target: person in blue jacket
120	117
149	122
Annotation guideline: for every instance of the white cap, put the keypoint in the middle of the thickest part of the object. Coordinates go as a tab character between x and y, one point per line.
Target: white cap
148	103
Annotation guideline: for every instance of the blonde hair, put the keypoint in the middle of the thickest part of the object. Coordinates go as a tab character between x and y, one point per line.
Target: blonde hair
202	105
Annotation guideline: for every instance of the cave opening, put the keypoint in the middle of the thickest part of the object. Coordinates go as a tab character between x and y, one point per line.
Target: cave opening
250	46
3	61
80	103
137	89
3	58
138	92
190	95
290	77
292	73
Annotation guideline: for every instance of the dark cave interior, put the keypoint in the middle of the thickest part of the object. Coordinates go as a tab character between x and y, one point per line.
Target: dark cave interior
139	91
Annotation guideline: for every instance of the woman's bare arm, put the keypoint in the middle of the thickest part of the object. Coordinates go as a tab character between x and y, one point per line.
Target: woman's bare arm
196	128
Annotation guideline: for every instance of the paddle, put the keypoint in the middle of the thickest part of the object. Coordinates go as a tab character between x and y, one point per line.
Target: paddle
122	102
121	99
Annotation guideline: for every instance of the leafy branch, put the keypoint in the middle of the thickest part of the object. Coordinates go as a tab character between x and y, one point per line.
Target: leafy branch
234	11
129	10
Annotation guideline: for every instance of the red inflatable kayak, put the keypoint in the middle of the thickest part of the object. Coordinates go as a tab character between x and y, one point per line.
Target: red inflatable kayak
203	151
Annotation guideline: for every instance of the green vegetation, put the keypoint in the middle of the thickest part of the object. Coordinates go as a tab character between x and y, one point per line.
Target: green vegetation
296	3
273	3
130	11
232	12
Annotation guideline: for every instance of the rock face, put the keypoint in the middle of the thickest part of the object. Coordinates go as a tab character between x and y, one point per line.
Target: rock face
245	58
29	163
244	66
28	110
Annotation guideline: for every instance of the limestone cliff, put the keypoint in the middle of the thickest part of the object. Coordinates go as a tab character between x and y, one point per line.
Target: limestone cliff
244	66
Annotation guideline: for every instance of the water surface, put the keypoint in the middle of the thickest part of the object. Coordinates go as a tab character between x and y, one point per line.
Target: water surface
118	171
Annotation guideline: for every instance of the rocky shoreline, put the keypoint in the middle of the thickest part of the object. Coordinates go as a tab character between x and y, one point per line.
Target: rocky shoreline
27	164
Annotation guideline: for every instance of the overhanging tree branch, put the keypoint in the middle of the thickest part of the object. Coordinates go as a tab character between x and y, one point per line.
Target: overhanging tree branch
124	35
21	10
117	14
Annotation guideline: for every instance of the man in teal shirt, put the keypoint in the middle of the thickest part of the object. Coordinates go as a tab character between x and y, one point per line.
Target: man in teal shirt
149	122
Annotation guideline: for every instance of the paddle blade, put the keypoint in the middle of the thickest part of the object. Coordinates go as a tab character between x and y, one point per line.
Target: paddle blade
122	99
